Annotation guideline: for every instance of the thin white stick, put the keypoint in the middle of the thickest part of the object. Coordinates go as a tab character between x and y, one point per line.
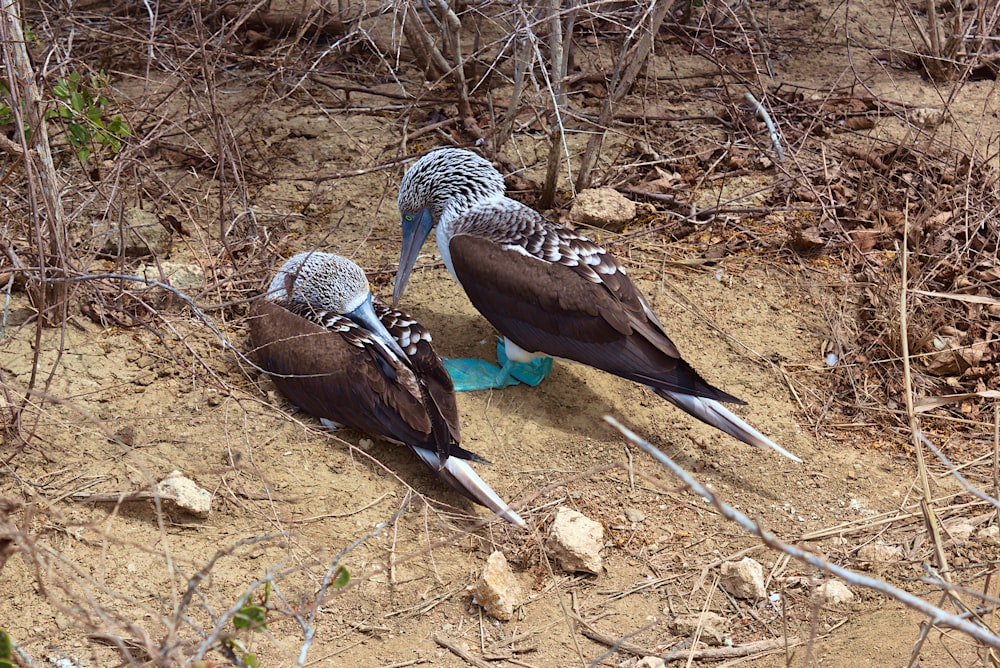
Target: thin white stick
771	129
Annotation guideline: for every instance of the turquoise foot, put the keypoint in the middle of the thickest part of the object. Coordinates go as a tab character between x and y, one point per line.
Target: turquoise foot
469	375
530	373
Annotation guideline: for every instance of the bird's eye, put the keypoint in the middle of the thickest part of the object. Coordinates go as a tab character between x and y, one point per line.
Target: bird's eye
408	217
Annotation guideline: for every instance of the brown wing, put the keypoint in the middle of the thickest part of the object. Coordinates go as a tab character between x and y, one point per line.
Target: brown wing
323	372
572	312
415	340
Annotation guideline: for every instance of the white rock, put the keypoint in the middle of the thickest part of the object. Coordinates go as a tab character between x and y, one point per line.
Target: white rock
650	662
497	590
140	233
714	628
927	117
602	207
835	592
744	578
576	541
635	515
879	554
989	535
960	529
176	274
185	494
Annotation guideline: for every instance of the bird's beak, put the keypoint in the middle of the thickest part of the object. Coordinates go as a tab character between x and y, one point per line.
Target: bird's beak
364	315
415	231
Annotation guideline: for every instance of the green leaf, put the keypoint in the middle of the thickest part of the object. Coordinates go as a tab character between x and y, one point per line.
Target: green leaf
119	128
6	650
250	617
251	660
340	578
77	101
6	647
79	134
83	154
61	91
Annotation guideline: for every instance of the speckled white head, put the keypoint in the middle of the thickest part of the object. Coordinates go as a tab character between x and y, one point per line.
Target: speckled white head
448	182
322	280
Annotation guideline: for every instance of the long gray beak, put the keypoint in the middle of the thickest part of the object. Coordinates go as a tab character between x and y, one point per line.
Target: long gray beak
365	316
415	231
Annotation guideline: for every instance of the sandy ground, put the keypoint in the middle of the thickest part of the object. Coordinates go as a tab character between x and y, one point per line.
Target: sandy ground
128	406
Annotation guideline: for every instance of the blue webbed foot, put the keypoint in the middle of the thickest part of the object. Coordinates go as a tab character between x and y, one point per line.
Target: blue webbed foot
469	374
530	373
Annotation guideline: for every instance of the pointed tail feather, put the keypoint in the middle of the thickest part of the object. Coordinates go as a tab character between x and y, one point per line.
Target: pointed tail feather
714	413
460	476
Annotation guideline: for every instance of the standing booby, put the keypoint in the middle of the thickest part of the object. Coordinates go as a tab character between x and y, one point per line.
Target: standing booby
549	291
339	355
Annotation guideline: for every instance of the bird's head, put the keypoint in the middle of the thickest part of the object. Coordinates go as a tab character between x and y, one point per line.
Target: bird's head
436	189
328	282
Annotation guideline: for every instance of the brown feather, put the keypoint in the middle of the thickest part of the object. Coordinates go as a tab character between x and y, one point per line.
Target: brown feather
559	310
319	371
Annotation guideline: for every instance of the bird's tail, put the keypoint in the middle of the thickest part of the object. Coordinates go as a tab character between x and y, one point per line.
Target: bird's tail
714	413
460	476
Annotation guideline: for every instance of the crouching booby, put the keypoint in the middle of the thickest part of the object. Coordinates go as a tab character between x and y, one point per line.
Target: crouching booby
339	355
549	291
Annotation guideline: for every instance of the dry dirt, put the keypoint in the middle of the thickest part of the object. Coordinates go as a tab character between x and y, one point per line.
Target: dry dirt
128	405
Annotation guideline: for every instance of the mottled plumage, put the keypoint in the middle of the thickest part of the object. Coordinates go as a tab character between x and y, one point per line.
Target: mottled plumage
338	355
547	289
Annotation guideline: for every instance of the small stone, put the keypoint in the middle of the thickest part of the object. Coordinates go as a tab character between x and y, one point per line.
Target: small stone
498	591
835	592
650	662
714	628
185	494
176	274
635	515
927	117
989	535
139	234
744	578
602	207
879	554
960	529
575	541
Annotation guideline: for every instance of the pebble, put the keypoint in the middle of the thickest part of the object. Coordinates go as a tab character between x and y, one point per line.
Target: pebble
960	529
835	592
744	578
602	207
650	662
989	535
635	515
879	553
575	541
179	275
185	494
140	234
497	590
714	628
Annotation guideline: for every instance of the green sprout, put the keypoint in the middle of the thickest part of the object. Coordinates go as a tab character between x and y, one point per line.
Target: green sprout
6	650
85	112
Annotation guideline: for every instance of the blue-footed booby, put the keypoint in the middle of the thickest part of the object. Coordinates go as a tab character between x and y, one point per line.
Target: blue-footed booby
343	357
550	291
